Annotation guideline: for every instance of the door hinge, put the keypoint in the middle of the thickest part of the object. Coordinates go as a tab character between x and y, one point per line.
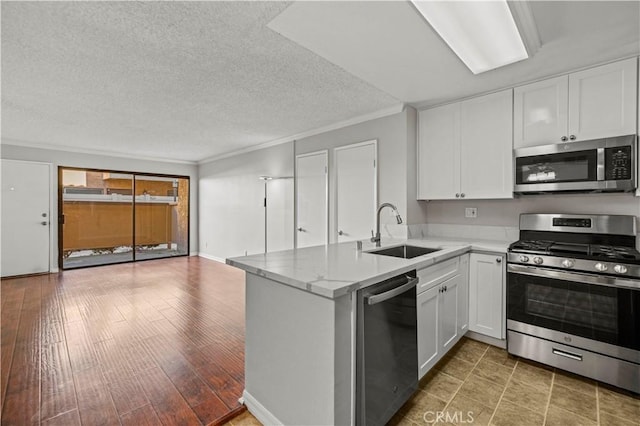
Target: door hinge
374	164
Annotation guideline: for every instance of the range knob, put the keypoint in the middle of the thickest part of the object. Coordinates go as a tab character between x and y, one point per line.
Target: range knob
537	260
568	263
620	269
601	267
524	258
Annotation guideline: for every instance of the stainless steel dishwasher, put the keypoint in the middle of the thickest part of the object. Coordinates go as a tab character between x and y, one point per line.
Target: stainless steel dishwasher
386	349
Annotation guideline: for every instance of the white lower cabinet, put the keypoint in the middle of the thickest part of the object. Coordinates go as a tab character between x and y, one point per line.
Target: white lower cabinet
442	310
428	336
463	296
486	294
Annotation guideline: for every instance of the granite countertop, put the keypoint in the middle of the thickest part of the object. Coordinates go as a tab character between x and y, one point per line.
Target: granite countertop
338	269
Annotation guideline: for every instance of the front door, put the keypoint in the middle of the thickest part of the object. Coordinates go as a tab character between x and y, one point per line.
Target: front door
26	221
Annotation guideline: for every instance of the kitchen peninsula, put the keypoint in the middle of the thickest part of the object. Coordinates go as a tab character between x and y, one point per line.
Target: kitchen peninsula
300	345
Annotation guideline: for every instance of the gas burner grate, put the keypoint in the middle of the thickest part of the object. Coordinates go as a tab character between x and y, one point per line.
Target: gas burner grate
615	253
538	246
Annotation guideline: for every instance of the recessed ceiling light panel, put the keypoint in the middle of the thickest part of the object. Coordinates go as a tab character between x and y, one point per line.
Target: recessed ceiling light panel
483	34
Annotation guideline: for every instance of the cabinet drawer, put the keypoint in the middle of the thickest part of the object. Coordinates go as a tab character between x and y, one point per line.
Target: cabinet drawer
436	274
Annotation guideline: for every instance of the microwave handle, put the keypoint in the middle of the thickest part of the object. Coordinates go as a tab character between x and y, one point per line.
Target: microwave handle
600	168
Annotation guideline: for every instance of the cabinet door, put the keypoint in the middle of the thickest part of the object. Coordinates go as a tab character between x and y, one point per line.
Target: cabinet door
439	153
428	342
448	315
602	101
486	314
463	296
540	112
486	148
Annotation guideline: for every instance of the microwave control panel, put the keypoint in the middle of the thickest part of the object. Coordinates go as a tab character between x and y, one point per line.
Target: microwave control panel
618	162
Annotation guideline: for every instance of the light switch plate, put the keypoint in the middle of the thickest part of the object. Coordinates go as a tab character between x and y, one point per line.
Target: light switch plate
471	212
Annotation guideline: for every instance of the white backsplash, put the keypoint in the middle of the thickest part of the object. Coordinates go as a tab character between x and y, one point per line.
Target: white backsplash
475	232
394	231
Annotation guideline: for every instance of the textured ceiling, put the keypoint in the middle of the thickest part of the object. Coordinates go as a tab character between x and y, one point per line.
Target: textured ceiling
191	80
391	46
175	80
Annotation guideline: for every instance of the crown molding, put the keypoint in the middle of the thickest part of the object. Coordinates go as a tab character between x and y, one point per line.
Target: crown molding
65	148
523	17
398	108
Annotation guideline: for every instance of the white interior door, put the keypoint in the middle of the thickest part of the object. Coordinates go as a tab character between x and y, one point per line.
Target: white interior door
25	217
356	191
279	213
311	199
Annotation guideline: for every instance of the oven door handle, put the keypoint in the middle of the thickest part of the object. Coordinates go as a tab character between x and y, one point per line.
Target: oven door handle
604	280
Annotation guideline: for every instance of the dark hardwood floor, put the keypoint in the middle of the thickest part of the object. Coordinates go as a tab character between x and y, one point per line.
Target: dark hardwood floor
156	342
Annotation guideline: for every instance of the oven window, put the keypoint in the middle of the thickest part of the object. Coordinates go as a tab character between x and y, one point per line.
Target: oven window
605	314
563	167
578	308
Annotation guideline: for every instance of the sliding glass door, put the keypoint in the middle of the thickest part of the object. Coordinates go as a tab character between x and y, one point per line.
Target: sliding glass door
112	217
162	211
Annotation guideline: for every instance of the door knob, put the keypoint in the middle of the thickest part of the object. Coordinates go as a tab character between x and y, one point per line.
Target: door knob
563	139
44	215
300	230
498	260
340	232
572	137
457	195
44	223
462	195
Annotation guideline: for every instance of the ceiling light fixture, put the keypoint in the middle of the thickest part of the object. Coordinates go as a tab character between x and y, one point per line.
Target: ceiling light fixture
483	34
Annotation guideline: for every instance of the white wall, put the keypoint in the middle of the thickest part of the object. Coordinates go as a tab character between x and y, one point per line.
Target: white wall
231	203
507	212
396	163
82	160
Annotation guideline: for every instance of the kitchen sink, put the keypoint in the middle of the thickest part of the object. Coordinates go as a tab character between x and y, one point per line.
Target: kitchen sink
405	251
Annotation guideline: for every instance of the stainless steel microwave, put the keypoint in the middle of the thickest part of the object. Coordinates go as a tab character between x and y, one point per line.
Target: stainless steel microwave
599	165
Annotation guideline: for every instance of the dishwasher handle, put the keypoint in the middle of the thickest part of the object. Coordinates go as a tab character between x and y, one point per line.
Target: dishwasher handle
377	298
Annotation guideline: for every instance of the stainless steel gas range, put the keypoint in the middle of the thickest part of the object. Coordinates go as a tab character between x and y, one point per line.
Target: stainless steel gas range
573	295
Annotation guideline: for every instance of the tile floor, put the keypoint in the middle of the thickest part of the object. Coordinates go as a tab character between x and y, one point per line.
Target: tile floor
479	384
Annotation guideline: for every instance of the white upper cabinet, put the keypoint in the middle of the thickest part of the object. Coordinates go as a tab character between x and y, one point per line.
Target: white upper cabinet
602	101
486	148
439	152
540	112
594	103
465	149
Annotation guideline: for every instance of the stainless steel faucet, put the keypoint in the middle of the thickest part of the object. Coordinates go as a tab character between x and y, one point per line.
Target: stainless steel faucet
376	238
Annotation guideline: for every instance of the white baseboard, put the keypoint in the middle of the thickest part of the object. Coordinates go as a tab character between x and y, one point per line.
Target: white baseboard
210	257
193	253
258	410
487	339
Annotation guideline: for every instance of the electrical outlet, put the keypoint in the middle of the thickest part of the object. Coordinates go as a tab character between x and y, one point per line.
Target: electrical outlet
471	212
